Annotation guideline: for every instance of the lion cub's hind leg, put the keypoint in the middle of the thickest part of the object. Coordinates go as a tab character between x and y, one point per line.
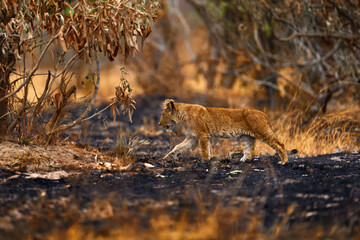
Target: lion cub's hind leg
247	143
271	139
280	148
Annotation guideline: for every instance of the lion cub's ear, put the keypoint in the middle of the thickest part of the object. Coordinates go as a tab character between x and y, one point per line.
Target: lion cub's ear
169	104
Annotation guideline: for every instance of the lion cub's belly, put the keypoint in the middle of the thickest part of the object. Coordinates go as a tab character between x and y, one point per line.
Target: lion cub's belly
226	133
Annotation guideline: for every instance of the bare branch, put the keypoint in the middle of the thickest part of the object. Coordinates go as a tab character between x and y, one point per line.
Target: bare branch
319	35
99	112
265	82
314	61
64	127
31	74
39	105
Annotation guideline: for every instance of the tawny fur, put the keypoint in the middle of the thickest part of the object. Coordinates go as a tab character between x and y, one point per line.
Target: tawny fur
202	123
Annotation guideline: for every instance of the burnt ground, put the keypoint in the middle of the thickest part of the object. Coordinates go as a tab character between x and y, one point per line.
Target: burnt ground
315	192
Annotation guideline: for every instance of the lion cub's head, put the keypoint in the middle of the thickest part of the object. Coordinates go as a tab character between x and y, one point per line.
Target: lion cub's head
168	115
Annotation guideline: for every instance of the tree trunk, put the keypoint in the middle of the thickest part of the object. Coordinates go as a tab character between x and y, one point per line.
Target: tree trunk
7	63
271	93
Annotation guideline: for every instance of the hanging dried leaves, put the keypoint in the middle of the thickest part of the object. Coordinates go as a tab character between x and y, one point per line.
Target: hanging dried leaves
116	28
124	98
113	27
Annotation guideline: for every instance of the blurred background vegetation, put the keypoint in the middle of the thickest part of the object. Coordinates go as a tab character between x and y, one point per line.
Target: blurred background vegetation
276	56
273	52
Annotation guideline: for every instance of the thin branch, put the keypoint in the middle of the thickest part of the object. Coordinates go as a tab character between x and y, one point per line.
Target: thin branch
342	12
237	70
175	11
265	82
22	111
13	35
69	62
54	76
84	114
38	106
314	61
318	35
8	113
28	78
99	112
306	88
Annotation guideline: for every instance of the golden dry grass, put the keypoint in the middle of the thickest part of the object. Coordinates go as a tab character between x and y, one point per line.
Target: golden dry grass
219	223
329	133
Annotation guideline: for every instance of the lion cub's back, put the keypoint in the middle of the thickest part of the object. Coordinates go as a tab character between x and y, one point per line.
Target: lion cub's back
234	122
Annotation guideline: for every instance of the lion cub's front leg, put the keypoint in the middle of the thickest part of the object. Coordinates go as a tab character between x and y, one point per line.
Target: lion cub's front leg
187	144
204	141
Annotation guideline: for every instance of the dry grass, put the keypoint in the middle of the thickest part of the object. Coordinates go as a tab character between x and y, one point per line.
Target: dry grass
329	133
125	149
219	223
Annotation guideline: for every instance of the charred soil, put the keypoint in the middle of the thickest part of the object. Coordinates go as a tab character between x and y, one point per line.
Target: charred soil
45	191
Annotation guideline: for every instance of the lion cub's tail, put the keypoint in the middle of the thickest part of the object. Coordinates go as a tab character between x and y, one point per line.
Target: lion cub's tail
292	152
288	152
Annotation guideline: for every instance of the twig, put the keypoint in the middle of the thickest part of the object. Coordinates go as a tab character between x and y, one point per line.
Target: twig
23	76
69	62
99	112
342	12
175	11
264	82
306	88
28	78
21	113
8	113
39	105
61	57
237	70
13	35
319	35
64	127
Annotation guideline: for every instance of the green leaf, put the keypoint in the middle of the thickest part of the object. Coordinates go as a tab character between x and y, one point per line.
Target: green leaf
68	10
93	10
268	29
241	9
223	8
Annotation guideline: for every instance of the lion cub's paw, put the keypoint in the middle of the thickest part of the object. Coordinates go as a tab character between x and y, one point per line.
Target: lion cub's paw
244	159
234	155
171	156
167	156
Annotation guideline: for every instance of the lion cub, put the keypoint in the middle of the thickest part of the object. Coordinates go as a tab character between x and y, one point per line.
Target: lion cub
201	123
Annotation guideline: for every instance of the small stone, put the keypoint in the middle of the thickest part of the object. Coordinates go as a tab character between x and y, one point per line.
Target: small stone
148	165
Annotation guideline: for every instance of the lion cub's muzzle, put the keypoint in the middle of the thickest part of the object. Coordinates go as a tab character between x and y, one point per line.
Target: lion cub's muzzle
168	126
